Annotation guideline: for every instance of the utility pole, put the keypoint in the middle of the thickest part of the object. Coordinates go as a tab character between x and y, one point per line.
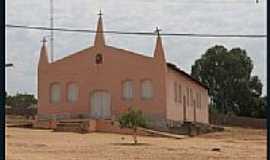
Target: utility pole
52	26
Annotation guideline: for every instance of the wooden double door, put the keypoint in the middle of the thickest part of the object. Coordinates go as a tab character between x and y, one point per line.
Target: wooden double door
100	105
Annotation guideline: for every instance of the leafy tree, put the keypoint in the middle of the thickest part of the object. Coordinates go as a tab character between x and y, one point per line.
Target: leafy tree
260	110
21	100
232	89
21	104
132	119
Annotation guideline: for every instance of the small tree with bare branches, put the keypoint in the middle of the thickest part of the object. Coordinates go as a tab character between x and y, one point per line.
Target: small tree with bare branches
132	119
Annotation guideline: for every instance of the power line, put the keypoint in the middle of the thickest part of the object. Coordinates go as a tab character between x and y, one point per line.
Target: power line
142	33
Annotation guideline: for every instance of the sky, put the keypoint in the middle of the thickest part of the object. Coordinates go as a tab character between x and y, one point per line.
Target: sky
172	16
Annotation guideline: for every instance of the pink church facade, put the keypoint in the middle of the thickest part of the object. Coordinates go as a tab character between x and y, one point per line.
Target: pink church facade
101	82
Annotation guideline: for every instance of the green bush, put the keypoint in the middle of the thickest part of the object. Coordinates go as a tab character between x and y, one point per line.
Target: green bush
132	119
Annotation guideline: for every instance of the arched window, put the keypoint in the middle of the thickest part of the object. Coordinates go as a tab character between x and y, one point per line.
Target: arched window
147	89
127	89
73	92
55	93
99	59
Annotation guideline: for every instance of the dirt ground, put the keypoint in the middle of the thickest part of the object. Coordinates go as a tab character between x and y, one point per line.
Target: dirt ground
234	144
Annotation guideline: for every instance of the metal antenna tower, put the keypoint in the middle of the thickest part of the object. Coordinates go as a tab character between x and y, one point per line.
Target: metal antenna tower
52	26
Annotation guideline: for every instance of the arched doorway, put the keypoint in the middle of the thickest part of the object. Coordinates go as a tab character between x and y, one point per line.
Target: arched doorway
100	105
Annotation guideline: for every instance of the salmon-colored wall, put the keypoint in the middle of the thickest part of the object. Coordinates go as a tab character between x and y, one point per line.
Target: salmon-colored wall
175	110
118	65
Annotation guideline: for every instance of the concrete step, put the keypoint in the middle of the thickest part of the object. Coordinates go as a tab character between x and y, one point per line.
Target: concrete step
22	125
73	120
68	129
71	126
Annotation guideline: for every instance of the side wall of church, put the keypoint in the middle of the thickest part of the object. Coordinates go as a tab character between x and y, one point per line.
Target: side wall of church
180	88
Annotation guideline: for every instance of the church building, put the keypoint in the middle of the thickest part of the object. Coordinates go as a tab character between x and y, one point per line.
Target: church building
102	81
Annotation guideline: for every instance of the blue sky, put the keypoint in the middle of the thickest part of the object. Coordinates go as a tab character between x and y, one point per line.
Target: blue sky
180	16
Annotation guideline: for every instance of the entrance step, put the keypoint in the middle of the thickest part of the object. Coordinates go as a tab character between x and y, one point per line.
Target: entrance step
73	125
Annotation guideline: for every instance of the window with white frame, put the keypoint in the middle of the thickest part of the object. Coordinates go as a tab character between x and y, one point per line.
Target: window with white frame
127	89
55	93
73	92
147	89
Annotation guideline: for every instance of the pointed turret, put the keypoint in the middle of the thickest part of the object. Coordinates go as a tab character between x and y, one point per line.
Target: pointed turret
99	39
43	59
159	52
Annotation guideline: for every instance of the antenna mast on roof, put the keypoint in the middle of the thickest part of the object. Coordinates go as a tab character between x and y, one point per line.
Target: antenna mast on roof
51	26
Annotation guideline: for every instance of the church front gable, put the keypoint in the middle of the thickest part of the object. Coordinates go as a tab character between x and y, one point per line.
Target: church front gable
102	81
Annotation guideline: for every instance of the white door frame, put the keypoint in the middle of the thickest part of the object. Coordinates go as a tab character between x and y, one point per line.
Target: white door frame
91	107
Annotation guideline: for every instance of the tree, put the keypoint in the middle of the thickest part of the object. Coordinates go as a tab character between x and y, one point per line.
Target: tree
21	100
232	89
132	119
260	110
21	104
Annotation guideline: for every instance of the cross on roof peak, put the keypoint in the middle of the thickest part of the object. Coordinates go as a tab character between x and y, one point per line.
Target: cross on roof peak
157	30
44	40
100	13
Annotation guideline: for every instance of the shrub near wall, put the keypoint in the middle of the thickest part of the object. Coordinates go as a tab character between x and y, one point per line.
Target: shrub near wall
232	120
